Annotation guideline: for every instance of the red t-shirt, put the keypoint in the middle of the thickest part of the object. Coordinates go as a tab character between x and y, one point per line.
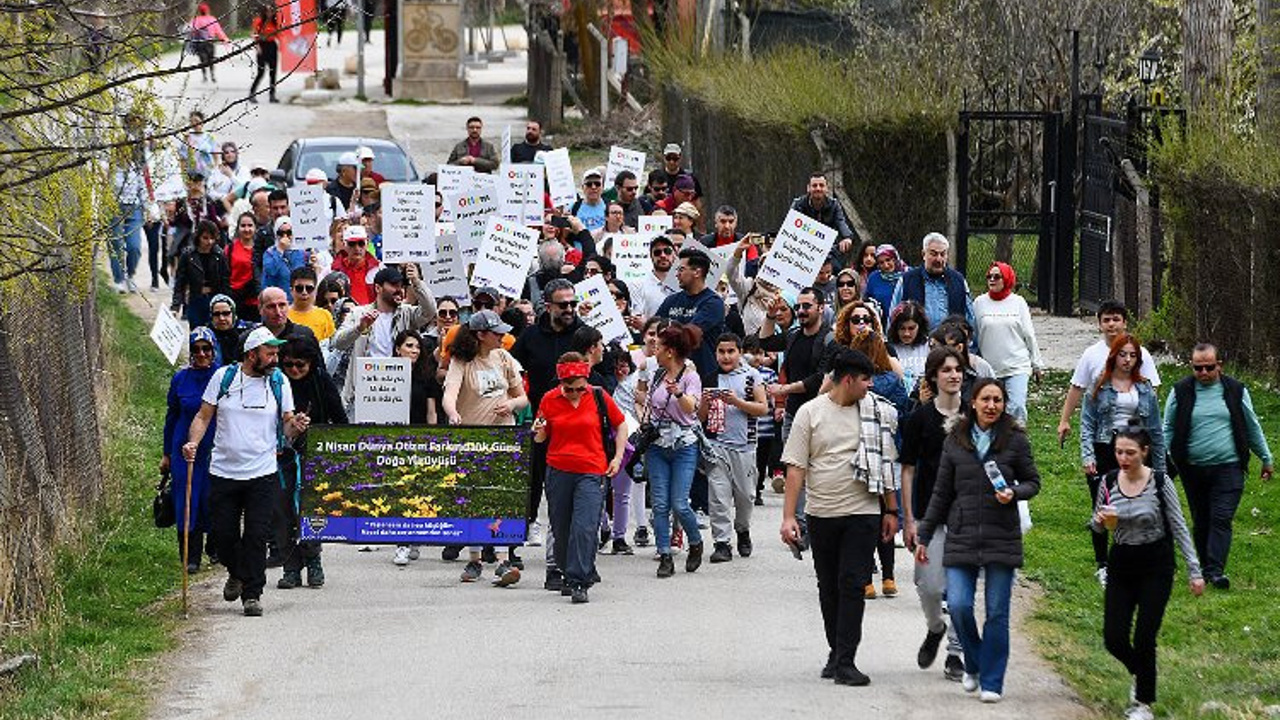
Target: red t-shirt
241	259
573	433
362	290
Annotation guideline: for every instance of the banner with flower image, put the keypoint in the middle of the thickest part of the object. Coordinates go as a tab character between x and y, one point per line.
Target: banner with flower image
430	485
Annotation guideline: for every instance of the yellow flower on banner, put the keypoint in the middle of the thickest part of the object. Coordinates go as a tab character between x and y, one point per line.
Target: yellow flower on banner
330	497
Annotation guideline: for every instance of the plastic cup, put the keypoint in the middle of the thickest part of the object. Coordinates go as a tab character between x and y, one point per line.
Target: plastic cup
1109	517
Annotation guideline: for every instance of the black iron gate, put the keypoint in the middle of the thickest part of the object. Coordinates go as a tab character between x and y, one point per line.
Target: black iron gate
1106	143
1012	195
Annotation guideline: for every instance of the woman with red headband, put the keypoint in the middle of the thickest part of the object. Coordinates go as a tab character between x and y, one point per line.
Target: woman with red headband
580	423
1006	338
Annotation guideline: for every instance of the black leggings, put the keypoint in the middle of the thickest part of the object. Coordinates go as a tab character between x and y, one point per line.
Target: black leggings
268	58
1139	582
1105	459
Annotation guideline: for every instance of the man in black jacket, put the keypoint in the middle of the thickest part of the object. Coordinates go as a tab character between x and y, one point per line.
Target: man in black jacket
525	152
819	205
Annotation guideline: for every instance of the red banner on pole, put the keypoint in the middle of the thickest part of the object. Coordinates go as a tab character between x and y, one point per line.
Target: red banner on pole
297	39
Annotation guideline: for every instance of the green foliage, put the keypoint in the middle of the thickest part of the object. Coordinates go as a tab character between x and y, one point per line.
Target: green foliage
118	606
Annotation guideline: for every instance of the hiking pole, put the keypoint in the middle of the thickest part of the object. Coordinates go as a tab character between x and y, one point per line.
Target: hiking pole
186	539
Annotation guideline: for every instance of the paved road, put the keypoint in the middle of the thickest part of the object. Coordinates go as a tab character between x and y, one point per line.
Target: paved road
741	640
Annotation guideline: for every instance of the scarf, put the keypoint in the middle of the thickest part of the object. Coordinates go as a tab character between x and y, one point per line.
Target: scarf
1010	279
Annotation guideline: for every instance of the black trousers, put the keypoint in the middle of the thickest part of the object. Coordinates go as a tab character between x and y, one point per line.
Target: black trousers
285	520
1139	581
241	526
1213	494
1105	461
843	549
268	60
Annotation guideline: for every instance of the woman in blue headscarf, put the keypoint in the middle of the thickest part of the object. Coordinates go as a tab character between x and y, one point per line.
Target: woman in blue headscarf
882	281
185	393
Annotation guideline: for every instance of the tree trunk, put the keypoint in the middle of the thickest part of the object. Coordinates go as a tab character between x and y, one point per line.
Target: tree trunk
1206	49
586	12
1269	67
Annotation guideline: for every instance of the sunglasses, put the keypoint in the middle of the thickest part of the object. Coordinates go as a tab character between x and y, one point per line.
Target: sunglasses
663	251
1205	368
448	313
631	188
847	283
202	350
593	271
294	364
282	233
355	243
573	389
221	313
995	276
592	183
304	288
566	304
805	306
860	319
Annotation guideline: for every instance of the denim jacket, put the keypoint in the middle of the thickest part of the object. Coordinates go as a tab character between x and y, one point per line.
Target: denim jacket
1098	416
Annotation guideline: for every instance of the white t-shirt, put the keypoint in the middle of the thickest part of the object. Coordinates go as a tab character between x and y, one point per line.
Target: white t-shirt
651	293
381	344
244	441
1093	361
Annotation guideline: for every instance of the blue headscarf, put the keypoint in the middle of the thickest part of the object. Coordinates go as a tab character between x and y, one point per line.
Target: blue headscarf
204	334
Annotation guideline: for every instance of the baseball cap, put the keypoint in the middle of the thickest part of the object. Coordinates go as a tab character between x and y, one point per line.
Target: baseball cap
316	175
688	210
261	336
348	158
671	149
489	290
596	171
354	232
684	182
255	185
281	222
388	275
663	239
488	320
365	152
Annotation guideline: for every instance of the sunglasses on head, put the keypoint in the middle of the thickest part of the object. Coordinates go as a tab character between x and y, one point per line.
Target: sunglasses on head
304	288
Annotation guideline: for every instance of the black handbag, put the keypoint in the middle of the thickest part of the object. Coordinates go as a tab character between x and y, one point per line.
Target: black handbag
644	436
162	512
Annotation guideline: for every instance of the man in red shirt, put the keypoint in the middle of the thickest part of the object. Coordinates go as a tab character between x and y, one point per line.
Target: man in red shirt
366	165
682	191
357	264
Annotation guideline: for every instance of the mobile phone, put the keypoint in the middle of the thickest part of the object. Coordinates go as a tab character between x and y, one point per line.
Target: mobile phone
795	550
559	221
995	476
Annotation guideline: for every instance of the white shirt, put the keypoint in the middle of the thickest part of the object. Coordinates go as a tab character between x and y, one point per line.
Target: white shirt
1093	361
244	440
381	344
652	292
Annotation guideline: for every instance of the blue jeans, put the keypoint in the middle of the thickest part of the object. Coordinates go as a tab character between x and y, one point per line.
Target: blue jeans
985	655
670	477
126	242
1015	386
573	502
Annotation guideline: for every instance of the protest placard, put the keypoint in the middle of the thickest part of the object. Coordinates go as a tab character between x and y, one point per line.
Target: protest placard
408	222
650	225
719	261
604	315
560	177
168	335
382	390
451	179
621	159
798	252
631	258
470	209
506	145
309	211
447	273
520	193
441	485
505	257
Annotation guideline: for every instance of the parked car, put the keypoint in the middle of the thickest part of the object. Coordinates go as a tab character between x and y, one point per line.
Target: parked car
389	159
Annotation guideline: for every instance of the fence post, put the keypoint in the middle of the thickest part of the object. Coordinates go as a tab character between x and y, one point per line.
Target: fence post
604	68
961	259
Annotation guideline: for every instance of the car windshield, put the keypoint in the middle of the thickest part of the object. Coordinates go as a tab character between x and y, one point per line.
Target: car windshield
389	161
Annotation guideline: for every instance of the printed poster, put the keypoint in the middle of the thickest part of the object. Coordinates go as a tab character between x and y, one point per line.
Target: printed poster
309	211
382	390
798	253
505	257
408	222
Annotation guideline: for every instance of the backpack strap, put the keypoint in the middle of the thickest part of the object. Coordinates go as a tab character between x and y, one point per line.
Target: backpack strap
227	378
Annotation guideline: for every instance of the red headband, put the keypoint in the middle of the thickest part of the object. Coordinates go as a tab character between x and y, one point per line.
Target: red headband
570	370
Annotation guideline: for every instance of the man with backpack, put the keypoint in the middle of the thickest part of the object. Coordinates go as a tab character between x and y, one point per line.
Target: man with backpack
255	405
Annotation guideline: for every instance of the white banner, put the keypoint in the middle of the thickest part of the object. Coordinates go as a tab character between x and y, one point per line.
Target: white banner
520	193
505	257
470	211
604	315
560	177
452	179
309	211
447	274
168	334
621	159
719	261
382	390
631	259
650	225
798	253
408	222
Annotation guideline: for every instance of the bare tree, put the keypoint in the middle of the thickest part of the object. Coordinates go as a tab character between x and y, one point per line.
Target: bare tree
1207	44
1269	67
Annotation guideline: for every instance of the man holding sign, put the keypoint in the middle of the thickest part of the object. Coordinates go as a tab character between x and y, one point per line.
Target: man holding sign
816	204
370	330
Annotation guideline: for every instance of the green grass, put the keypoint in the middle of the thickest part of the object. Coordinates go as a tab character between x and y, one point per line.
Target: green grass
118	605
1224	646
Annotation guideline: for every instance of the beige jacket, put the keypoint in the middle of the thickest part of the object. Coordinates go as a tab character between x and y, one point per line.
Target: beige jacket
350	338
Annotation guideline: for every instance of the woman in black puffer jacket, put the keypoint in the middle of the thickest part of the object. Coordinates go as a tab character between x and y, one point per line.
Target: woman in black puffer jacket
986	466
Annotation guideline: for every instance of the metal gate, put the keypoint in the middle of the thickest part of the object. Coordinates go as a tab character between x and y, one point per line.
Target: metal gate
1106	143
1011	194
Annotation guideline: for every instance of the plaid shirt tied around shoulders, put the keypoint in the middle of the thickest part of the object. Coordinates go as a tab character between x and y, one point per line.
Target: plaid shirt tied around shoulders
877	450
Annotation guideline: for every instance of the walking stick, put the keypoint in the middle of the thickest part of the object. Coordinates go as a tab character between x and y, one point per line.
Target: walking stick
186	537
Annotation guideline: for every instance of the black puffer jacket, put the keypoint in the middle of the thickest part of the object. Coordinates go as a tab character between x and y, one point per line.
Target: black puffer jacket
980	529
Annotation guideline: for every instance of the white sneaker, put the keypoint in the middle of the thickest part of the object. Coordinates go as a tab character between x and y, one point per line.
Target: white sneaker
898	541
130	285
402	555
120	287
535	534
989	697
1139	711
413	552
704	521
969	682
1101	574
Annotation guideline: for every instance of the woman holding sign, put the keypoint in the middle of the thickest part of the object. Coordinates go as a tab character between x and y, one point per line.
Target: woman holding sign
483	387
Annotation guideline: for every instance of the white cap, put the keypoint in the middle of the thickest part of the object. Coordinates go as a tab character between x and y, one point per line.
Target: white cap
596	171
365	152
261	336
671	149
255	185
316	175
348	158
281	222
355	232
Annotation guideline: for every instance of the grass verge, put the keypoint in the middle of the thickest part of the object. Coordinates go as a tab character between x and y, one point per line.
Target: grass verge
1223	647
117	604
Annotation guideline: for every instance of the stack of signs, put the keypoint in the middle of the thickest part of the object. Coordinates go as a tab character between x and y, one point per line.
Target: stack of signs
451	179
408	222
560	177
309	211
604	315
505	257
447	274
382	390
520	193
168	335
798	253
470	209
621	159
650	225
631	258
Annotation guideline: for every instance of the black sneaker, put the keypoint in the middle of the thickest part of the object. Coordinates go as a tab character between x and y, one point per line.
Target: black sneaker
694	560
620	547
929	648
953	668
450	552
641	538
488	554
851	676
472	572
252	607
605	534
554	581
829	670
315	573
516	561
1222	582
722	553
666	568
579	595
744	543
290	580
231	591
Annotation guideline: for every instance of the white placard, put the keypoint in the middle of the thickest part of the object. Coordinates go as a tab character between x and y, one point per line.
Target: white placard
505	257
631	261
560	177
408	222
382	390
798	253
506	145
650	225
719	261
520	193
447	274
168	334
621	159
470	211
309	211
604	315
452	179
